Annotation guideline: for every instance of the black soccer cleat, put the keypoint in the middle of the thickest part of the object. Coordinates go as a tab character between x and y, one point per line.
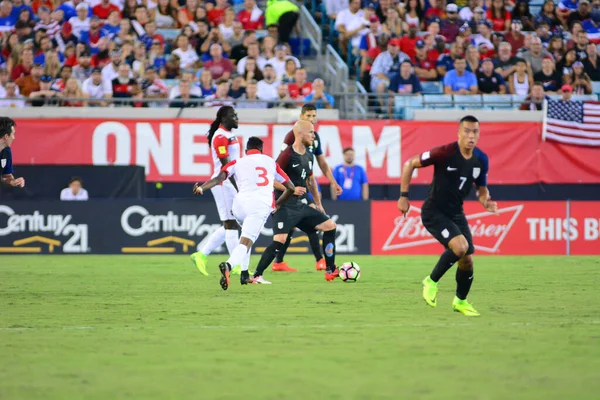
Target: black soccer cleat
224	268
244	278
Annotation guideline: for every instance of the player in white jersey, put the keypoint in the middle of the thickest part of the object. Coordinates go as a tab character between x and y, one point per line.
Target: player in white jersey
255	174
224	147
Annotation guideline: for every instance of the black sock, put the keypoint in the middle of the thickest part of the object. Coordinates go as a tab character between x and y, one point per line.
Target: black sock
445	262
329	249
464	280
281	253
315	245
267	257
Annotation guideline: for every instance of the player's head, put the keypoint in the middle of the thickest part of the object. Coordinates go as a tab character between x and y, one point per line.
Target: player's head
254	143
468	132
7	131
304	132
309	113
227	117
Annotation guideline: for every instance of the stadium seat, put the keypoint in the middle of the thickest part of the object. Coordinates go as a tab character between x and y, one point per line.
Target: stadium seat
497	101
432	87
555	96
517	100
438	101
464	101
596	87
404	106
585	97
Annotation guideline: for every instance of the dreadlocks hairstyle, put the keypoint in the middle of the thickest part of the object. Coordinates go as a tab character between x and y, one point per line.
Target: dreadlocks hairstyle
218	120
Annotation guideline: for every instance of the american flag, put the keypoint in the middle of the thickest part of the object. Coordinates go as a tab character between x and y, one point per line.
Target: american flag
573	122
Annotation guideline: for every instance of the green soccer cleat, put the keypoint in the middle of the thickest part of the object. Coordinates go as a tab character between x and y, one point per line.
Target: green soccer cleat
463	307
430	289
237	270
199	260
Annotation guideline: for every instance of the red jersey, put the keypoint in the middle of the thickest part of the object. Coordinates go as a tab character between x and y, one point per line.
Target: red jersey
426	64
18	71
299	91
216	16
498	23
103	12
251	20
217	69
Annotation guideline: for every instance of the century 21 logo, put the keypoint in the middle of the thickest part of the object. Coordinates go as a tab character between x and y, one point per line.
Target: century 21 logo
55	225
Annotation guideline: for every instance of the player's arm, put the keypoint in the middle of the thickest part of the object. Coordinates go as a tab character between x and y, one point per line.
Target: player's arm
228	170
10	180
483	193
282	180
327	172
314	191
298	190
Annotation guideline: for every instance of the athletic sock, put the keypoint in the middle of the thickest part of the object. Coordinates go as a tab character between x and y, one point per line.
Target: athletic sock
329	249
445	262
464	280
315	245
237	255
246	261
281	254
215	240
231	240
267	257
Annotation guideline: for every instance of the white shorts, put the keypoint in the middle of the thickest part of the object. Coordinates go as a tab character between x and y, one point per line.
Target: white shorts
251	215
224	195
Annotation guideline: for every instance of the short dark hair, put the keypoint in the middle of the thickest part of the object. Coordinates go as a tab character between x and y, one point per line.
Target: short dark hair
254	143
468	118
76	179
308	107
347	149
6	125
538	83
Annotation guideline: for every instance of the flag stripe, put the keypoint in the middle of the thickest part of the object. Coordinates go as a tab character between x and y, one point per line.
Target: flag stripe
573	122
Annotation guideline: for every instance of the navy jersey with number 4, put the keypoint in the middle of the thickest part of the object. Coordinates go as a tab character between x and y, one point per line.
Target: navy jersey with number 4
298	168
453	176
6	167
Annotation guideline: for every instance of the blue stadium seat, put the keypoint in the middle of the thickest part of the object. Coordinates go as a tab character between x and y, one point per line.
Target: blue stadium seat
497	100
517	100
585	97
596	87
169	34
438	101
404	106
171	82
432	87
464	101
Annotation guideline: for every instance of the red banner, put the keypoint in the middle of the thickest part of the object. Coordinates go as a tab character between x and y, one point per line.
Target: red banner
520	228
176	150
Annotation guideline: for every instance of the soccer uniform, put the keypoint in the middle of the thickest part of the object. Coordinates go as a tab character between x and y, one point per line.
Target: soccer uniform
254	175
315	148
453	178
296	212
6	166
224	144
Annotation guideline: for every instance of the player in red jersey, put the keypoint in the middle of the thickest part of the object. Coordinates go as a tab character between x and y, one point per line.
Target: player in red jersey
458	166
308	113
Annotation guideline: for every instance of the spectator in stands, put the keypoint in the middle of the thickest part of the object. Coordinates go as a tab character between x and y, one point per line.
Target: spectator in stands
591	64
351	25
250	98
581	13
206	83
283	98
124	86
75	191
95	88
236	90
91	37
580	45
393	25
473	58
423	65
83	69
112	26
484	36
451	24
352	178
567	92
185	99
319	96
568	60
459	80
369	39
522	14
187	76
104	8
165	15
543	32
408	42
81	22
267	87
535	100
186	53
515	37
499	16
66	72
489	81
46	22
548	13
111	71
241	50
4	77
216	14
226	26
45	95
221	97
383	7
466	13
505	63
300	87
407	82
128	9
386	66
556	47
11	99
30	83
290	71
254	53
251	71
582	83
219	66
413	14
72	91
7	18
535	55
445	62
23	68
251	16
278	62
285	14
153	87
369	57
214	37
334	7
521	80
548	76
268	47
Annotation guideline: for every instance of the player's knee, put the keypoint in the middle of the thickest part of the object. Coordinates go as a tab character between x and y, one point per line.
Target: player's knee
459	246
280	238
326	226
466	263
246	242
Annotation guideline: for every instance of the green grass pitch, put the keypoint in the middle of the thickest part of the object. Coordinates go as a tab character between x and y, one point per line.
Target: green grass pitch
151	327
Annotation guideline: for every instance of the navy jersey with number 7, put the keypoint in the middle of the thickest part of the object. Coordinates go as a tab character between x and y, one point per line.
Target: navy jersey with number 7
6	166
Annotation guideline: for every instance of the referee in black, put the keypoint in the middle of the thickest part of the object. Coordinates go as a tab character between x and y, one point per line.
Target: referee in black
7	136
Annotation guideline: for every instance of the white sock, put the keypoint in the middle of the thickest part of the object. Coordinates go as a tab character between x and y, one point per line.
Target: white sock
238	255
232	240
216	240
246	261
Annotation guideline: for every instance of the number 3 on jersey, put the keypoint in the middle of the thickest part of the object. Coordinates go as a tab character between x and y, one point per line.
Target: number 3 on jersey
262	177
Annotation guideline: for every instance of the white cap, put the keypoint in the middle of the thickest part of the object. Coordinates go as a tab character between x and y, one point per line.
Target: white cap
452	7
81	6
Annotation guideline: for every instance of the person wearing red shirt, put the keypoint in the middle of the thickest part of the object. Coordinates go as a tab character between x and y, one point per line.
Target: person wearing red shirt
499	16
251	16
219	67
425	68
301	87
438	49
408	42
216	15
36	4
24	68
104	9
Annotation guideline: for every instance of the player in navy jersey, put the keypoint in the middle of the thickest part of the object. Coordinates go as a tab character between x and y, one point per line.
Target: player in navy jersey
308	113
7	136
296	161
457	166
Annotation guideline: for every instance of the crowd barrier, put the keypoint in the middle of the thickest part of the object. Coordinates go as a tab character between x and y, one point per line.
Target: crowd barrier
181	227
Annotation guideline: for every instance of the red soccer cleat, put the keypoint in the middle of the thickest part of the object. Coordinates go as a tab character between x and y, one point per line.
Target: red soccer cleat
331	276
321	265
283	267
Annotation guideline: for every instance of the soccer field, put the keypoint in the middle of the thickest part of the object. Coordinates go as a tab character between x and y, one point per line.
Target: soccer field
151	327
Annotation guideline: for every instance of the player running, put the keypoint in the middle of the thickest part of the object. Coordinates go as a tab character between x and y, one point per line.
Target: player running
296	162
308	113
253	204
224	147
7	136
457	166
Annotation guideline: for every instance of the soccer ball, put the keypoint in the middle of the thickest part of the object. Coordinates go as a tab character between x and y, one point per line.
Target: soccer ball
349	272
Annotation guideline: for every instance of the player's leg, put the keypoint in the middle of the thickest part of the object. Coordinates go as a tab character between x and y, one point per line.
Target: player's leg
283	220
315	245
279	264
315	220
464	272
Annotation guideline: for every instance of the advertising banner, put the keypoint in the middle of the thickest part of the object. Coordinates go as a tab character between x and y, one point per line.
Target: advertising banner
520	228
177	150
147	227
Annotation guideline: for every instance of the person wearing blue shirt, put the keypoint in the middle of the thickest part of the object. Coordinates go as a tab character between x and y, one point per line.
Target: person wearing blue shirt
319	96
7	136
459	80
406	82
352	178
8	19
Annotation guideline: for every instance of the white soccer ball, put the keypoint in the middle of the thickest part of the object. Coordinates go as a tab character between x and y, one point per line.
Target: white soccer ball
349	272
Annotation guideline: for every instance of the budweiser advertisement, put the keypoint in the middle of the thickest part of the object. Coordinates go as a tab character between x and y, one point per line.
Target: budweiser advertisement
555	227
177	150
